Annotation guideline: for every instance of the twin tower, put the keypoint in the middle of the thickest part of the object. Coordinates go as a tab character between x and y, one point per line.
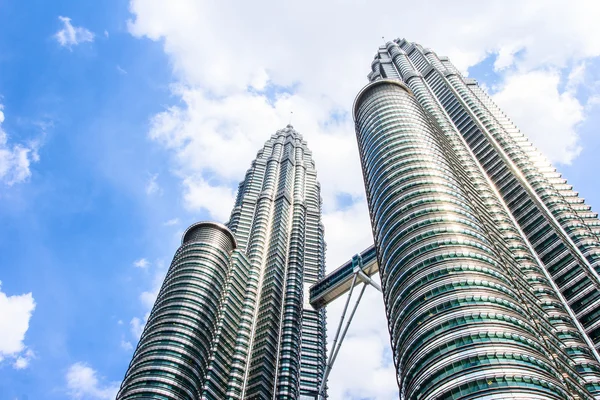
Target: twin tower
489	261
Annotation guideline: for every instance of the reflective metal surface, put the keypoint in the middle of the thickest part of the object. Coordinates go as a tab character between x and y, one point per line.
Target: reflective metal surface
277	221
540	232
463	319
173	354
231	320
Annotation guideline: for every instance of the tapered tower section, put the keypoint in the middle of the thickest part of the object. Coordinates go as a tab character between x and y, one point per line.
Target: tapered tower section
233	319
488	259
556	224
173	357
277	222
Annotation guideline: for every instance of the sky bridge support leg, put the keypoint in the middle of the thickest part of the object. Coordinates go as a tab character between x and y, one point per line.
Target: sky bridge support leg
358	274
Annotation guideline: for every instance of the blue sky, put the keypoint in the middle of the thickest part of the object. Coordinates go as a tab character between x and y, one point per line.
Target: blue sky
71	232
123	126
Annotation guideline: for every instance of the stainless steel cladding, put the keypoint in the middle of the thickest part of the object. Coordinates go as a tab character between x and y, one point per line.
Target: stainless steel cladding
231	320
277	221
173	354
462	312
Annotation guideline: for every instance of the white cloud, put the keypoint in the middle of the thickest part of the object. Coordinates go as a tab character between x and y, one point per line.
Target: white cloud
576	77
236	126
83	383
126	345
360	371
328	76
121	70
15	160
506	56
347	233
152	186
141	263
220	123
22	361
592	102
70	35
328	53
147	299
171	222
549	118
137	326
217	200
15	314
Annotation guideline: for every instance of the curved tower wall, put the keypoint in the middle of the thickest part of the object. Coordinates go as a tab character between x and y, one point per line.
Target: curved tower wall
277	222
462	318
173	355
231	319
560	228
510	239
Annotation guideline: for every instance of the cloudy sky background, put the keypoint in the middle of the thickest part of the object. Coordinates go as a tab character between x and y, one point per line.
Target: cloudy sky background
123	122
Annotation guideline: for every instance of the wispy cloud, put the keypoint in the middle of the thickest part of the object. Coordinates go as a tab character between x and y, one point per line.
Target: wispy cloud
147	299
172	222
22	361
15	160
576	78
121	70
126	345
70	35
530	98
152	186
217	200
137	326
83	383
141	263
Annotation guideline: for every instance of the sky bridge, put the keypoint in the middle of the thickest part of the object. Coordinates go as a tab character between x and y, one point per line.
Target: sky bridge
344	279
339	281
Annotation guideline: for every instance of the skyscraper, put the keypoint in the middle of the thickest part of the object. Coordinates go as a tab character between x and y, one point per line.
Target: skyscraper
488	259
232	319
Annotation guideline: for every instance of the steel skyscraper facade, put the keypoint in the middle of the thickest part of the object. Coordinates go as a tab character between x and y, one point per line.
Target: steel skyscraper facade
232	319
488	260
277	220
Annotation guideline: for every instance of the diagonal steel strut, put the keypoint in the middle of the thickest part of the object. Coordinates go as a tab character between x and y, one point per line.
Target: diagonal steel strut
358	274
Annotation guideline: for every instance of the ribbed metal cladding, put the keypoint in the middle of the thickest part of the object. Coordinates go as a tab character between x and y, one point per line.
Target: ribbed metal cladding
172	356
562	336
555	224
277	222
231	321
459	325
